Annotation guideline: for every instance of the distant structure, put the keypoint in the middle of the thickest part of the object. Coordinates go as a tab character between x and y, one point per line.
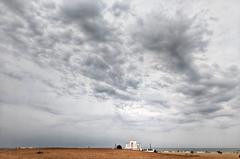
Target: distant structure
133	145
150	149
119	147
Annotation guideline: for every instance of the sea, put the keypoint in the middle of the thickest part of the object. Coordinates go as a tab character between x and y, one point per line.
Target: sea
199	149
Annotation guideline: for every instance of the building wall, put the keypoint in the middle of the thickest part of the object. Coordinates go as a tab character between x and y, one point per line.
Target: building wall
133	145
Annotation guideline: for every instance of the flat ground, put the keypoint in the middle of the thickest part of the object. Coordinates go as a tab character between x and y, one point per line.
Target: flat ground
94	153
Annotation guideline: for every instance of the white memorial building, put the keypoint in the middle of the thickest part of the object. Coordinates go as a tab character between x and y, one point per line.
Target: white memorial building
133	145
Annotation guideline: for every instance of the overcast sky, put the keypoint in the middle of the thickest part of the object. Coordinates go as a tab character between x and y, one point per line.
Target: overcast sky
96	73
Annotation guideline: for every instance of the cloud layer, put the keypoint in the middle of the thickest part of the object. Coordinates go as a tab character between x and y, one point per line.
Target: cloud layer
126	69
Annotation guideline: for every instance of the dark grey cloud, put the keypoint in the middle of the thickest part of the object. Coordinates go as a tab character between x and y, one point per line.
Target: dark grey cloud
209	95
106	91
15	5
105	63
97	68
174	39
22	10
83	9
120	7
88	15
175	42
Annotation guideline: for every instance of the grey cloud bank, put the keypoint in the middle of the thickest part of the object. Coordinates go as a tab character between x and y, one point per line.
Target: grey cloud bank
96	73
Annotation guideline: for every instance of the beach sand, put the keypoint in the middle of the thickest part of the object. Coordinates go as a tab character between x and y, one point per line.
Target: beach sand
101	153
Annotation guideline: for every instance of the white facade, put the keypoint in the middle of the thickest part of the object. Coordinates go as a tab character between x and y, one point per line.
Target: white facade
133	145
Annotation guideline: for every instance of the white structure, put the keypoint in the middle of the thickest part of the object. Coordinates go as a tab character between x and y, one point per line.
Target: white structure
133	145
150	150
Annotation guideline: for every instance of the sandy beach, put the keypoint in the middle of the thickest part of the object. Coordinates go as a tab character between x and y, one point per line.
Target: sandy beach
101	153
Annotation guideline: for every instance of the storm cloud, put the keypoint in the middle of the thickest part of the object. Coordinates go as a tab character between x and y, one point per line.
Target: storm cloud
153	71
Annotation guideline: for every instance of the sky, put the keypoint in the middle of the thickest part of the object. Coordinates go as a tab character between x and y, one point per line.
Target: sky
101	72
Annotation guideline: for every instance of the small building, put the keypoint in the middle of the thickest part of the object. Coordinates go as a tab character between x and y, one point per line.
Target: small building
150	149
133	145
